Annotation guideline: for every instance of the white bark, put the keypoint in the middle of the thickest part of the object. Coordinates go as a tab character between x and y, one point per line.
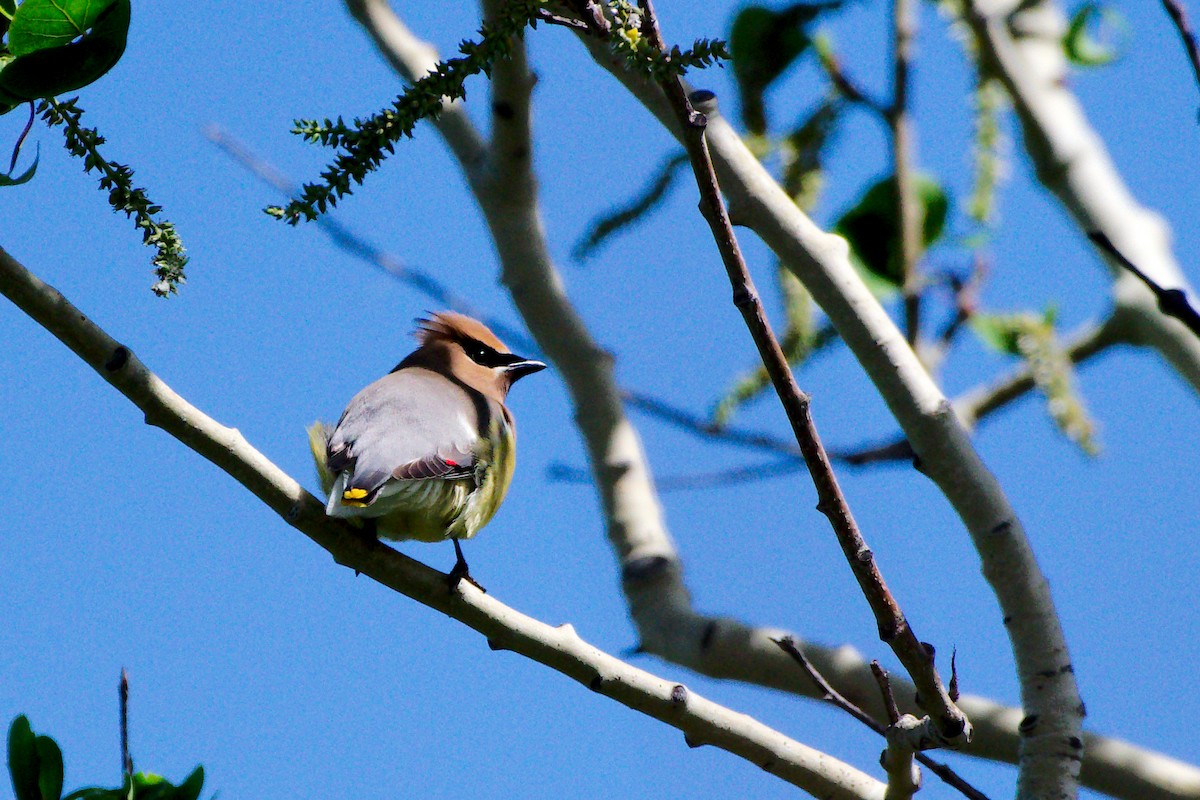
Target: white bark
1021	45
702	721
1052	736
658	599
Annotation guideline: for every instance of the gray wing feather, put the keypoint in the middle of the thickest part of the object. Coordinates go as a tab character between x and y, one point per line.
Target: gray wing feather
411	424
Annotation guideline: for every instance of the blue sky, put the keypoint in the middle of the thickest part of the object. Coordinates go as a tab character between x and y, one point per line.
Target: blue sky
249	651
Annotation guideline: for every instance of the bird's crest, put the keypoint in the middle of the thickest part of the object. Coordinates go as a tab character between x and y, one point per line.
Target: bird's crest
452	327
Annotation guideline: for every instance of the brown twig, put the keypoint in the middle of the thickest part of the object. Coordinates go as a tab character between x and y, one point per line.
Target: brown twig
1179	16
885	690
951	724
830	695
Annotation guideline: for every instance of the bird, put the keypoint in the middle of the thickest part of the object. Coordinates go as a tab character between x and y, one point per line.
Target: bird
427	451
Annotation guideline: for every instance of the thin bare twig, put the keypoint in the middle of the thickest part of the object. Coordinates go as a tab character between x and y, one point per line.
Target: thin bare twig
1172	302
885	691
951	724
123	694
703	426
557	647
357	245
699	480
907	213
1179	16
12	164
845	85
832	696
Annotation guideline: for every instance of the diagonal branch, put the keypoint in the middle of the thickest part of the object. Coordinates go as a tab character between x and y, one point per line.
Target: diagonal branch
917	658
1019	43
560	648
652	573
1049	754
1179	18
832	696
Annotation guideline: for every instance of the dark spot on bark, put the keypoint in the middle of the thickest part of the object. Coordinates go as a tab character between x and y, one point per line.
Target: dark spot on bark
1028	725
679	694
644	569
1075	742
596	683
118	359
1003	528
710	632
503	110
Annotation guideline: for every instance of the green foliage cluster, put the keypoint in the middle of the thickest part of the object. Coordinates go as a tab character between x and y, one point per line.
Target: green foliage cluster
642	56
1032	337
117	179
35	763
368	141
365	143
50	47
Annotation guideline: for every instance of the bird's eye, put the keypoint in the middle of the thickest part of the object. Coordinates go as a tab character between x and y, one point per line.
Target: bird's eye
479	353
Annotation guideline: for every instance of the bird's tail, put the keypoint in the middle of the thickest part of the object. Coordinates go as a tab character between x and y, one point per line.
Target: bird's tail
318	440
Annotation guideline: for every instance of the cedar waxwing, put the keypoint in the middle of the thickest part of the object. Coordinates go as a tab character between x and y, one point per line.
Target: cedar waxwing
427	451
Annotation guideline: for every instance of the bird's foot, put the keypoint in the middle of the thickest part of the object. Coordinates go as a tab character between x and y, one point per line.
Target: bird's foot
459	572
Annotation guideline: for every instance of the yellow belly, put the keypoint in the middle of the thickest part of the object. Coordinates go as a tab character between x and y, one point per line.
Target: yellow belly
434	509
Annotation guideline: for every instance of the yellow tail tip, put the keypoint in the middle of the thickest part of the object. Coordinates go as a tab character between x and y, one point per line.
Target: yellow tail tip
354	497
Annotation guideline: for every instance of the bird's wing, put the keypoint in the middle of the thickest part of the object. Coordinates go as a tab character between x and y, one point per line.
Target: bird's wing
413	424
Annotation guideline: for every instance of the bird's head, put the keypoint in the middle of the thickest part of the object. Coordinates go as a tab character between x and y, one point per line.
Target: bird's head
464	348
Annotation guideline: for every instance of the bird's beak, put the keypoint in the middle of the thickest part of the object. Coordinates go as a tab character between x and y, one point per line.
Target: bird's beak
522	367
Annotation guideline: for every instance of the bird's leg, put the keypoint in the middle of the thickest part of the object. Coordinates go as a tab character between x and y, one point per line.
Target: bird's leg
460	573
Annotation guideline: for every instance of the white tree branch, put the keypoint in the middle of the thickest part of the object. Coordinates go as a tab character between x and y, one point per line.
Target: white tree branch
1052	736
659	602
702	721
1020	44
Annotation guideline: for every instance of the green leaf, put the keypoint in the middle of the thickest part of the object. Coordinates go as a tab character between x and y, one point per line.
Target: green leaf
1032	337
997	331
42	24
26	176
97	793
50	768
23	760
8	8
1083	49
873	232
45	69
764	43
191	787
